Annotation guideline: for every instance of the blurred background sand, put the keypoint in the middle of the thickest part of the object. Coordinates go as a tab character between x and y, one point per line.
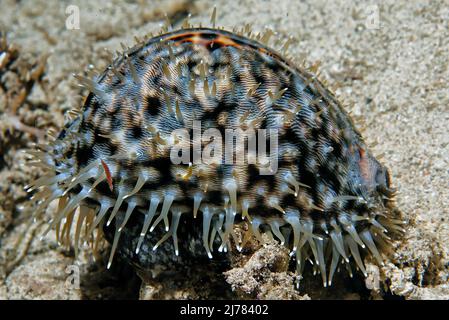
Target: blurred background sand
392	74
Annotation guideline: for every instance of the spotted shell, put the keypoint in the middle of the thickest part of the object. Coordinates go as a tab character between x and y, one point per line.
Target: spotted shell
327	199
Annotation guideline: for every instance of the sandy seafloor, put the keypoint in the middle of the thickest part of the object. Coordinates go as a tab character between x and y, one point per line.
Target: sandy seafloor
393	77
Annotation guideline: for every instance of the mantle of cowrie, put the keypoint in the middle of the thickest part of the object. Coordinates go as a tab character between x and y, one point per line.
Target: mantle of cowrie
328	198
